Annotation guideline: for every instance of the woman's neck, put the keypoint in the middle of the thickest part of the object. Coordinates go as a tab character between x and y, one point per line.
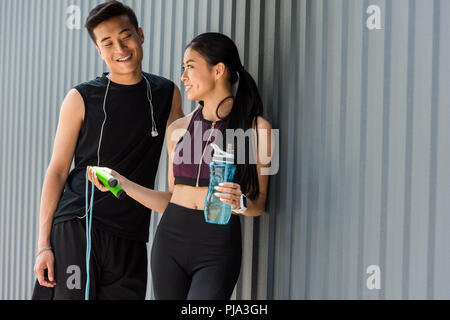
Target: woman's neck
212	103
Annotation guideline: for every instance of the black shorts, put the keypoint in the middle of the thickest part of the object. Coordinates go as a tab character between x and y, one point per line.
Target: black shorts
118	266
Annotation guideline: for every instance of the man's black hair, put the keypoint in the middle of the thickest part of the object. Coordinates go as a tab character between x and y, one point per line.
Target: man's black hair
106	11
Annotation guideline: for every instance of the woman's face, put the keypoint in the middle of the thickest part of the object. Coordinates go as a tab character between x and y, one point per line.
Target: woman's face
199	77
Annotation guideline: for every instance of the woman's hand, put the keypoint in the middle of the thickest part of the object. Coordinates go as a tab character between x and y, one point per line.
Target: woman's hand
93	177
231	194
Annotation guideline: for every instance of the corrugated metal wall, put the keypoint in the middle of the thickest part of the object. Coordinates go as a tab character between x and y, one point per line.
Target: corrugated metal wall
363	117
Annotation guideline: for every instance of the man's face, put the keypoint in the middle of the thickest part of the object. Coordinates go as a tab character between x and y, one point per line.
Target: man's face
120	45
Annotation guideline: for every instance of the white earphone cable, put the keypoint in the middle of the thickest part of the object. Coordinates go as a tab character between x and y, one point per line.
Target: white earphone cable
103	124
154	132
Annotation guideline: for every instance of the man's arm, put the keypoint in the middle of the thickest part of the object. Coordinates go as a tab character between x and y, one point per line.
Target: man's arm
70	120
176	111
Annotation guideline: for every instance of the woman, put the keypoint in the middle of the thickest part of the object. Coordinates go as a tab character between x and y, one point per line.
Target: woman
192	259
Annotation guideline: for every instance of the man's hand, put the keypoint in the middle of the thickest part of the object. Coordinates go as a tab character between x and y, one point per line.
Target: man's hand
92	177
45	261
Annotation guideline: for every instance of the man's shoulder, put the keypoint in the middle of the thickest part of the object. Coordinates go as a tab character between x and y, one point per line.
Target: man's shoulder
157	81
85	86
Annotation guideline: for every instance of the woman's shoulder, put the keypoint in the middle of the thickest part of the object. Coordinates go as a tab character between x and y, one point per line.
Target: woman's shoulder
183	122
179	123
177	128
262	123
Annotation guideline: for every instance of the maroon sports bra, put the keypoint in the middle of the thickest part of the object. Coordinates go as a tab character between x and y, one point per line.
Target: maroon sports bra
193	152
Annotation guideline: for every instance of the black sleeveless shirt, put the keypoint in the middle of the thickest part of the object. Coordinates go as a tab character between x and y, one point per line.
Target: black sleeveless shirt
127	147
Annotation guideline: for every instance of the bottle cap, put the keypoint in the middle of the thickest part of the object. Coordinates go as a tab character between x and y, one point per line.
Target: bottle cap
222	156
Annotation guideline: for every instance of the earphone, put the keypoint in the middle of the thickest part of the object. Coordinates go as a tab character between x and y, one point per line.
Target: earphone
154	132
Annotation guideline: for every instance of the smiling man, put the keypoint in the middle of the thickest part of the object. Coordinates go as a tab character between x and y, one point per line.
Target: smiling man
116	120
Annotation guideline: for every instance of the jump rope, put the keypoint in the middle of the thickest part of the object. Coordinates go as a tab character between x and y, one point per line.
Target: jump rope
107	180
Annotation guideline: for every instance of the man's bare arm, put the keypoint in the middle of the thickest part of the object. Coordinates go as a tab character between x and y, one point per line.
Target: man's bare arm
70	120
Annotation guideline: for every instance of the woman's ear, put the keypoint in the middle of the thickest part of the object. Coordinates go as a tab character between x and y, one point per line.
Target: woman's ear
219	70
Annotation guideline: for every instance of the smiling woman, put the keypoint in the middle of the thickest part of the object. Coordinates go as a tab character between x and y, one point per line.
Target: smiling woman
212	67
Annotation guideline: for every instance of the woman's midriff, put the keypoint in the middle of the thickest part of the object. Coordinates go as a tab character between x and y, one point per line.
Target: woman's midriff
189	197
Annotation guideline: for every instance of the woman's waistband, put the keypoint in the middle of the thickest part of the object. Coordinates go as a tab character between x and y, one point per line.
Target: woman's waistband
177	219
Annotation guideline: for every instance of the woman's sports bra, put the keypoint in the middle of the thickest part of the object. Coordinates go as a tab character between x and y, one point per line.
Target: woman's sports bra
193	152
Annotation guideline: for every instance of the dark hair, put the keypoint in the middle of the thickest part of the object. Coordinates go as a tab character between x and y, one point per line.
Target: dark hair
106	11
247	106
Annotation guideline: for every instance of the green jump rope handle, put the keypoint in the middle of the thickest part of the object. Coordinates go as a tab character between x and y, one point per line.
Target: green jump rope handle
110	182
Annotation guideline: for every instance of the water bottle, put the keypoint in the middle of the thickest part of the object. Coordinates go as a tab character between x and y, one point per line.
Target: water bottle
221	169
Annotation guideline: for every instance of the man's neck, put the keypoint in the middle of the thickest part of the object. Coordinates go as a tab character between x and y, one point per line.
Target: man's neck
126	79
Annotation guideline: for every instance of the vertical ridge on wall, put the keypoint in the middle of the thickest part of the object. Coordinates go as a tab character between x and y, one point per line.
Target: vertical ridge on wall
385	144
298	225
420	196
15	204
333	245
433	150
324	191
306	147
292	114
2	141
395	203
271	100
259	287
442	261
362	155
408	149
342	147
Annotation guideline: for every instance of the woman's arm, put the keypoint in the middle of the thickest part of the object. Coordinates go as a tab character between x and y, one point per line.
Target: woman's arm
155	200
152	199
256	207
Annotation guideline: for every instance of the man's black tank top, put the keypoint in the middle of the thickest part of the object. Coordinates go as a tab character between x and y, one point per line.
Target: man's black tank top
127	147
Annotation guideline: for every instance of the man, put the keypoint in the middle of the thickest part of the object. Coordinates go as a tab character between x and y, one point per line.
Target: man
110	121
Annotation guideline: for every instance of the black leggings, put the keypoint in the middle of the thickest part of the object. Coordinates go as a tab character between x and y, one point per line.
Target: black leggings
195	260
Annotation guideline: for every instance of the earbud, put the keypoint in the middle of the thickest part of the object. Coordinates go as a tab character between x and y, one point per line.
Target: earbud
154	132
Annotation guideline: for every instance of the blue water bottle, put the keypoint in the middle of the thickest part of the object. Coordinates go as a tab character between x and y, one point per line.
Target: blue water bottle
221	169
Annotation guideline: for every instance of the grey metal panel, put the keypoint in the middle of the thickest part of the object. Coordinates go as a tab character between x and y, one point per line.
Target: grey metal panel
420	172
397	129
364	119
442	201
